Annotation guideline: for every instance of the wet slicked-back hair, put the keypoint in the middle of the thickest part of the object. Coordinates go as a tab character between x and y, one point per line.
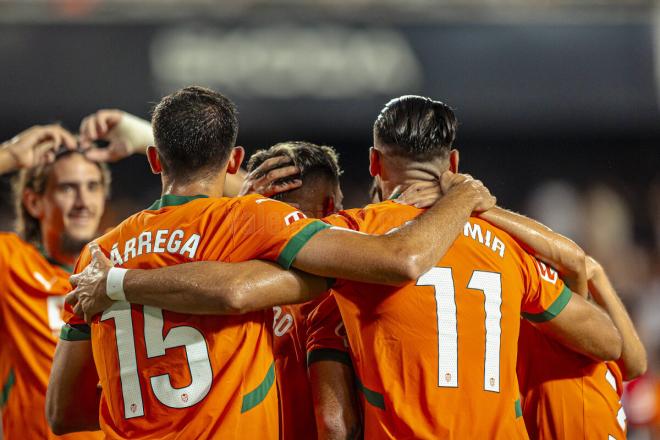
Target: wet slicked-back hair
416	127
195	129
313	161
35	179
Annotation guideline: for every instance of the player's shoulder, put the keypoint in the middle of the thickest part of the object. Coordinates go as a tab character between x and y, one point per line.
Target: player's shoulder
10	239
257	201
376	218
11	243
483	236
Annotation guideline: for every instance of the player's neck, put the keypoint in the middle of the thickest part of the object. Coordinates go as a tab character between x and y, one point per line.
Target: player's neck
52	249
212	187
398	181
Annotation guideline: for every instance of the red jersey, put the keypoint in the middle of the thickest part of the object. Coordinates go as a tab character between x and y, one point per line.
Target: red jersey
436	358
169	375
31	301
565	394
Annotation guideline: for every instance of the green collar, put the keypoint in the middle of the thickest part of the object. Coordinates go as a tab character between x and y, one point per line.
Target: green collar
173	200
65	267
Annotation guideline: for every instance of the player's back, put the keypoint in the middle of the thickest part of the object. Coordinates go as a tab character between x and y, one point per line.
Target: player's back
566	394
436	358
171	375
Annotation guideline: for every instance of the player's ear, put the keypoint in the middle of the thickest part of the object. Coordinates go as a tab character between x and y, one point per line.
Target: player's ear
33	203
235	160
375	160
453	161
154	160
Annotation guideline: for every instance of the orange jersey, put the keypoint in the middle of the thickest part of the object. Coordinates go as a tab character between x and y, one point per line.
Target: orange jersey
311	331
169	375
436	359
565	394
31	301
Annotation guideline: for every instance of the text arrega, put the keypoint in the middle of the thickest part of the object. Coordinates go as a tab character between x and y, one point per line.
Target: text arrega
176	242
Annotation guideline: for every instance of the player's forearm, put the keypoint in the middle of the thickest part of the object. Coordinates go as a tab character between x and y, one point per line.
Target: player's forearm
220	288
585	328
423	242
335	403
392	259
558	251
633	355
72	397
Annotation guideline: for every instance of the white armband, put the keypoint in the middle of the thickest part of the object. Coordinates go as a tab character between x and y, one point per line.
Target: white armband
114	286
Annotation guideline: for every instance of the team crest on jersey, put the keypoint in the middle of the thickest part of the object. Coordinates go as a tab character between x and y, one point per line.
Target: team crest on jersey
294	217
546	272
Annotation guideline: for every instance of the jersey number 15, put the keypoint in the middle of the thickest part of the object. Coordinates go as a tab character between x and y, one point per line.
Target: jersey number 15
183	336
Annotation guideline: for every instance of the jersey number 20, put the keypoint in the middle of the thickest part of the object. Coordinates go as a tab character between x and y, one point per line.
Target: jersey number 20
184	336
490	284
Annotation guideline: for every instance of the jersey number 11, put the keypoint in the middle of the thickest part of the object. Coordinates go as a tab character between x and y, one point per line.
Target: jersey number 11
490	283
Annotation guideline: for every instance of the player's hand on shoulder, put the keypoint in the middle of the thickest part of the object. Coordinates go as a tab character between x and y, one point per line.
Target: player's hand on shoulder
102	125
38	144
469	187
421	194
274	176
89	297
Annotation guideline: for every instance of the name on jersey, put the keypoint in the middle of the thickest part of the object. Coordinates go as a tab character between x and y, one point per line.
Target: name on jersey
158	242
488	239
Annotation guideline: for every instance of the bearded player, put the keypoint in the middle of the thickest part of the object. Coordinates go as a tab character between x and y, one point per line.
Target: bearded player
430	351
168	374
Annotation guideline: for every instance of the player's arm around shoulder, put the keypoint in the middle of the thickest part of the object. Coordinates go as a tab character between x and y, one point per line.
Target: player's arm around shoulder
404	254
586	328
204	287
633	361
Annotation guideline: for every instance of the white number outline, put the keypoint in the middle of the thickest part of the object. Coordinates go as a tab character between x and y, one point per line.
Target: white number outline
131	385
490	284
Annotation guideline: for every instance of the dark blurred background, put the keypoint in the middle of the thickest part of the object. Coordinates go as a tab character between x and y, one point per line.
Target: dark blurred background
557	101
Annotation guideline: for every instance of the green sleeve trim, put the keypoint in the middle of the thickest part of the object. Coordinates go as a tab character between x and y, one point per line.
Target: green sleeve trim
297	242
256	396
76	332
6	387
374	398
554	310
518	408
328	354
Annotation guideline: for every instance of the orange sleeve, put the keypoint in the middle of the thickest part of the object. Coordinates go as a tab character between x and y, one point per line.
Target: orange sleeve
271	230
546	295
5	252
75	328
349	219
326	335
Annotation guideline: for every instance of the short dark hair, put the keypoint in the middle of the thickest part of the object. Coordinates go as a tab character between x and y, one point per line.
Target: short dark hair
313	161
417	127
195	129
35	179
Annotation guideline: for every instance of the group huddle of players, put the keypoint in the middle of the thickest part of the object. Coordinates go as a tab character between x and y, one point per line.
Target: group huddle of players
250	305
